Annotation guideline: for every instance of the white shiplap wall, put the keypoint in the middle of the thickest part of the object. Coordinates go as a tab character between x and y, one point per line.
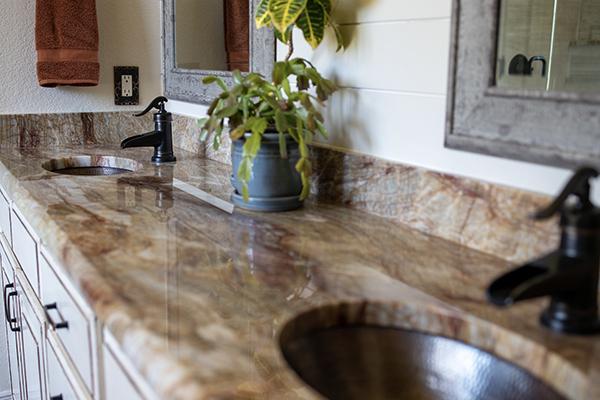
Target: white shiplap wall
393	99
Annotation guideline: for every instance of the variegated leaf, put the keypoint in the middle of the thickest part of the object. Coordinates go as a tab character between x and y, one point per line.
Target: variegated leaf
285	12
312	22
263	17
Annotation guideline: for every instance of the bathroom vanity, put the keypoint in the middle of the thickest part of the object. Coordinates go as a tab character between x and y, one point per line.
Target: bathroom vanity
56	349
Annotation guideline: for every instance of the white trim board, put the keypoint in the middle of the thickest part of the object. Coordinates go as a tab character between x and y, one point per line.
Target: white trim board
6	395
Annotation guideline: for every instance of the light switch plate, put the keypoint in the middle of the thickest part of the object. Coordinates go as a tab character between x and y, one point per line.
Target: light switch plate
127	86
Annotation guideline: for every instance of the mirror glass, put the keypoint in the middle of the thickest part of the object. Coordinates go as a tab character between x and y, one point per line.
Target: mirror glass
551	45
212	35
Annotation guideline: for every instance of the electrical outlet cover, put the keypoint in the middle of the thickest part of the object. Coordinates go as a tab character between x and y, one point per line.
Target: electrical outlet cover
127	86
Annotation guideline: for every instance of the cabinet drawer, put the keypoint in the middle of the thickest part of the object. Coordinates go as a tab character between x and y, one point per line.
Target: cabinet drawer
25	249
5	217
71	326
31	354
59	386
117	383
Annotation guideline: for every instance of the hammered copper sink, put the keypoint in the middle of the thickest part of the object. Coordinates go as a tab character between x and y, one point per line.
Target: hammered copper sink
91	165
369	362
385	352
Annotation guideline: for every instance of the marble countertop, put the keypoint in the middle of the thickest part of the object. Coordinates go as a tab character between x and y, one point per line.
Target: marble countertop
196	297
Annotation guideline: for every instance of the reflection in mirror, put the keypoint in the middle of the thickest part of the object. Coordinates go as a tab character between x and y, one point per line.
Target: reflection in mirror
551	45
212	35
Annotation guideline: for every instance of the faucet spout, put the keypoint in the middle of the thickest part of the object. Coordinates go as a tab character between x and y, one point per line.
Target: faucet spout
539	278
150	139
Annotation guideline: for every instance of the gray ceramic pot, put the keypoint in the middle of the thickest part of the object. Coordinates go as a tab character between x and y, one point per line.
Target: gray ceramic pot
275	184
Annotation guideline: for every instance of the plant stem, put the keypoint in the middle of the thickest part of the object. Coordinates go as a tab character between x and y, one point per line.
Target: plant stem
290	47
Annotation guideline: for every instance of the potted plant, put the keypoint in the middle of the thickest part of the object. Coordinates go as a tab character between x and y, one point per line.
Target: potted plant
270	121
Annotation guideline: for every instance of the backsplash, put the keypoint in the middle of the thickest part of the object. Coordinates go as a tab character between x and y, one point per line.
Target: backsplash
490	218
69	129
487	217
483	216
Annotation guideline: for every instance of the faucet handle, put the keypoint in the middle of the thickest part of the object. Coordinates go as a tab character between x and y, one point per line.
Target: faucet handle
578	186
158	103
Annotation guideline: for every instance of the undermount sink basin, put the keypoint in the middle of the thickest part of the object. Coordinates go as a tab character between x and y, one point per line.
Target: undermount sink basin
365	362
91	165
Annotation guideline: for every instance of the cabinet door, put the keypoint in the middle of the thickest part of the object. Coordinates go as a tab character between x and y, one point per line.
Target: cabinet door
59	387
117	384
12	332
31	333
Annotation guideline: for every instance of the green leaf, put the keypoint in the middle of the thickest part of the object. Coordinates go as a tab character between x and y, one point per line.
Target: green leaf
262	17
237	76
304	167
250	150
302	83
282	145
244	175
312	23
213	106
322	130
338	37
256	125
237	133
217	138
326	4
280	121
285	36
202	121
227	112
297	66
279	72
203	135
285	12
212	79
305	185
287	89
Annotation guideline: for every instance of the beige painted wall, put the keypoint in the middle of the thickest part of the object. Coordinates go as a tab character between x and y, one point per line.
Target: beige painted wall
129	35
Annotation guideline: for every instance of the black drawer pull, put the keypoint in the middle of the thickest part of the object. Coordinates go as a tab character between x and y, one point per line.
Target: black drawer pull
10	319
60	325
59	397
5	298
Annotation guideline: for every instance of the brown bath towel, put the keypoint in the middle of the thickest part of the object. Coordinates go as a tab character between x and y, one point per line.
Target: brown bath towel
237	37
66	36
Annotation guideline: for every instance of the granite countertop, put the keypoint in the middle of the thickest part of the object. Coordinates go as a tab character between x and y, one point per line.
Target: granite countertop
196	297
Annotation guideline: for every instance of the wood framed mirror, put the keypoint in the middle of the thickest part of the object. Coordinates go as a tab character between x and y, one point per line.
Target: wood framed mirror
211	37
525	80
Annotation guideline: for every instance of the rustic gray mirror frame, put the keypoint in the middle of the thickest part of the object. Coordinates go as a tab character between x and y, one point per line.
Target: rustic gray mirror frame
185	84
553	128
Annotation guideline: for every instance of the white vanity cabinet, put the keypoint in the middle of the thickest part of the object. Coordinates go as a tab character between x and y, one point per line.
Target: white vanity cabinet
55	346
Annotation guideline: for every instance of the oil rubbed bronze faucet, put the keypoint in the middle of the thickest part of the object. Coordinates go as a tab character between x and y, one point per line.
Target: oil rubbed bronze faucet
569	275
162	136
